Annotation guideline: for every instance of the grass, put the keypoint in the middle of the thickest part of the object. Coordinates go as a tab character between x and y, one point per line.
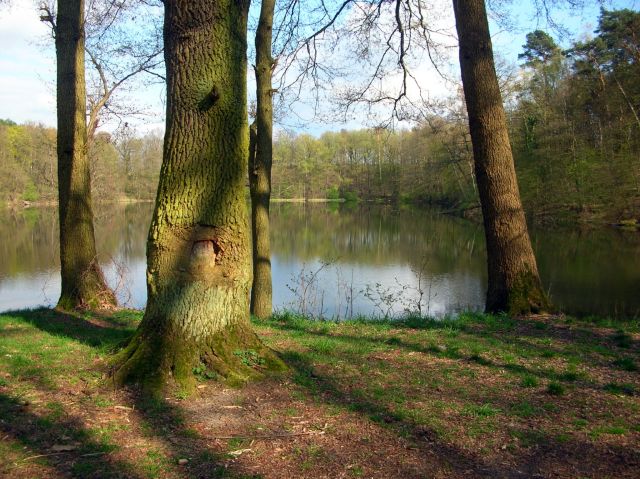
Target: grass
529	381
491	385
626	364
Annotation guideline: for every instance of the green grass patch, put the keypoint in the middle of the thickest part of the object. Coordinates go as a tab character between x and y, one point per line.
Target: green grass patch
626	364
483	410
529	381
525	409
613	430
620	388
555	388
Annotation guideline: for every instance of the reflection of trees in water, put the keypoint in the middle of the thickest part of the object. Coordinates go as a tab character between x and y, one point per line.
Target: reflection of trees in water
29	241
121	229
593	271
378	235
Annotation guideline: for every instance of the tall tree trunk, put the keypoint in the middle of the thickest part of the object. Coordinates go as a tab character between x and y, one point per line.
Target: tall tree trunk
514	283
83	283
198	260
260	166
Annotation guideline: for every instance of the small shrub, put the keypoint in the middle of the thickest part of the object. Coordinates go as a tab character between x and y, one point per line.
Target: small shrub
202	373
249	357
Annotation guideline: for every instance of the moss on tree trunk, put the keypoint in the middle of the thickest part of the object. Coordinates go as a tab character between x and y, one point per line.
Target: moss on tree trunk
83	284
260	166
198	259
514	284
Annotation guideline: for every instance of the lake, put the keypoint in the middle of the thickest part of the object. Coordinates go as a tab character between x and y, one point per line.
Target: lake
340	261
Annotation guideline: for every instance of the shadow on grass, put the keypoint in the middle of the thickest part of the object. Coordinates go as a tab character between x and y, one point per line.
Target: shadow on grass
166	421
545	455
40	433
92	458
504	332
461	463
107	333
540	454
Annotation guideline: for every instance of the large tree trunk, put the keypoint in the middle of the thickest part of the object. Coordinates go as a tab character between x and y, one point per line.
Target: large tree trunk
198	260
260	166
83	283
514	283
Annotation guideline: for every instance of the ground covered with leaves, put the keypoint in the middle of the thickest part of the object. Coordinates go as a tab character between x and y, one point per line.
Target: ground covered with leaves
476	396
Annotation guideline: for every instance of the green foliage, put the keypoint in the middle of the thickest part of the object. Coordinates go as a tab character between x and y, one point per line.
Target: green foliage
333	193
573	126
249	357
30	192
540	48
572	151
202	373
350	196
120	165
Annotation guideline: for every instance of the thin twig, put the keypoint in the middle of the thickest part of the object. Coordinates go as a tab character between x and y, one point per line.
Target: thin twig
44	455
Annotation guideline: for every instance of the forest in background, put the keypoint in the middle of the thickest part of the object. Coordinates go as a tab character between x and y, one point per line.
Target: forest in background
123	165
573	119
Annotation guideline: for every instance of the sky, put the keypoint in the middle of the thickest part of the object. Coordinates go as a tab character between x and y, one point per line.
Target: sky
27	64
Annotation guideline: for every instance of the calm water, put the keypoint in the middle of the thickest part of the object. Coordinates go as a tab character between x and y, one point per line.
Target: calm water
340	261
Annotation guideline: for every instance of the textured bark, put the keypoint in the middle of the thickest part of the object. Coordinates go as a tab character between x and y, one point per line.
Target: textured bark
83	284
198	260
260	167
514	283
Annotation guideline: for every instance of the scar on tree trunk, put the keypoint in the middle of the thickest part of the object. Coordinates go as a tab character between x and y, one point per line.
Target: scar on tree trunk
196	324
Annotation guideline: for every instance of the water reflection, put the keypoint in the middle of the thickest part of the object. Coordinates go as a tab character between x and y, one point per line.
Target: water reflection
342	261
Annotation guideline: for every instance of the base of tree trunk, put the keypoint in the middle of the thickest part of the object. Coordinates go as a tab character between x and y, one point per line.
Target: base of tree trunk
90	292
261	306
234	355
525	296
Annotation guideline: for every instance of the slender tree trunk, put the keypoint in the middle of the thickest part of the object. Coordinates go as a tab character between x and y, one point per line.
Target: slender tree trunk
83	283
514	283
198	259
260	166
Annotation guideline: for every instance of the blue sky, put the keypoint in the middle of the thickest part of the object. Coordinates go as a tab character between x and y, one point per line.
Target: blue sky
27	63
